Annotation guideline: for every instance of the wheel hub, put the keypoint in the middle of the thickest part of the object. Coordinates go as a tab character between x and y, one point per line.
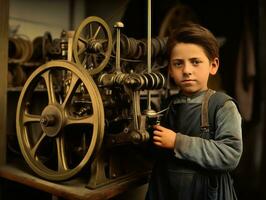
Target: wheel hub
51	120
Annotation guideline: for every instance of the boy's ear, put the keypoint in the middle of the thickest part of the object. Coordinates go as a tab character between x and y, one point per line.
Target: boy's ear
214	66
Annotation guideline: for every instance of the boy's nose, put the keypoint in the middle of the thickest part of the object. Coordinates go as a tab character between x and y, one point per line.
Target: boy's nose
187	69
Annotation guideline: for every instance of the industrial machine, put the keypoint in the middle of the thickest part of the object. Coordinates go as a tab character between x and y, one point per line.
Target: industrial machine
88	110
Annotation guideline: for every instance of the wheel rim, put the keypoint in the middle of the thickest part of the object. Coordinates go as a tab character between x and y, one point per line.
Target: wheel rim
92	44
55	139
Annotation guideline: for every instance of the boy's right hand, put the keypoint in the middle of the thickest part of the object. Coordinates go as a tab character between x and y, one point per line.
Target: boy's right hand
164	137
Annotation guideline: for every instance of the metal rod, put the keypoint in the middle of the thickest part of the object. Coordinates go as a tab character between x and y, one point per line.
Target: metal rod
149	37
149	51
118	50
118	26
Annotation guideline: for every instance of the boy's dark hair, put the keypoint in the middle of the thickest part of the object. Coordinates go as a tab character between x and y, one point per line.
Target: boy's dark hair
195	34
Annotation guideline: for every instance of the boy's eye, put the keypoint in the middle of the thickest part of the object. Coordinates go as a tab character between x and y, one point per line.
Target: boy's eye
196	62
177	64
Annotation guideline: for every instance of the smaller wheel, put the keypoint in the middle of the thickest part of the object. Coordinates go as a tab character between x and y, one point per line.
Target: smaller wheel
92	44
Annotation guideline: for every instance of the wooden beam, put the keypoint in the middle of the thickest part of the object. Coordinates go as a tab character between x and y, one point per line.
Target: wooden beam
74	189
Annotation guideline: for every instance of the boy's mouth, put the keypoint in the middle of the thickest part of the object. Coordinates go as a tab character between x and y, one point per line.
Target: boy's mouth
188	81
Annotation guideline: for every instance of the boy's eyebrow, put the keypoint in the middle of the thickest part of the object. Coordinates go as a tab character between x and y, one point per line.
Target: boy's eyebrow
180	59
177	59
194	58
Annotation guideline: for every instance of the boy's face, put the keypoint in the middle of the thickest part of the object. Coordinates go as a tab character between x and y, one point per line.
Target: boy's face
190	67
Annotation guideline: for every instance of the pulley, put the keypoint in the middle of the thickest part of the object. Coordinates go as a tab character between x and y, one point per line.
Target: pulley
55	141
92	44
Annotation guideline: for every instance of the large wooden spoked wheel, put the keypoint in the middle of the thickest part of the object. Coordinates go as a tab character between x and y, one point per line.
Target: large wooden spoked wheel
60	120
92	44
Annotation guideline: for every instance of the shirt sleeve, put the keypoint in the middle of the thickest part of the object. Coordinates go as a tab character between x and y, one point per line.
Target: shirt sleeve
221	153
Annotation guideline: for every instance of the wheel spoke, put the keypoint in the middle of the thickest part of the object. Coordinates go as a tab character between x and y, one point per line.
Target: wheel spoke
82	45
84	60
85	120
30	118
71	90
81	51
34	149
96	33
62	163
103	54
102	41
82	39
90	30
49	85
92	59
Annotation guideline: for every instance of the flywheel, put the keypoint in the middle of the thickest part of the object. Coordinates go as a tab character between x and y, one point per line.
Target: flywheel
92	44
59	120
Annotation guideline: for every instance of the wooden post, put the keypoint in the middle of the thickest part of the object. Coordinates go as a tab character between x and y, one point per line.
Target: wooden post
4	19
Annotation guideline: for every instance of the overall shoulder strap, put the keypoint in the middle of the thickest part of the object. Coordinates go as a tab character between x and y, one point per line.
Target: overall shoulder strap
212	102
204	110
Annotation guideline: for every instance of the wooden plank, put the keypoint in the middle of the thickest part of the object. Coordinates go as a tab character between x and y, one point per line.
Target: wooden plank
74	189
4	21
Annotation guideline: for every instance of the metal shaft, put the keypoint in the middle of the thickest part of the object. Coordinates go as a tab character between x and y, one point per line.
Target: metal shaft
118	26
149	51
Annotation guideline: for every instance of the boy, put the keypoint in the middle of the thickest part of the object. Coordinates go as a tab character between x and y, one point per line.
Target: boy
195	158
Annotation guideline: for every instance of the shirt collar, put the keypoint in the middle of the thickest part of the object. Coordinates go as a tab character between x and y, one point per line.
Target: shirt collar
194	98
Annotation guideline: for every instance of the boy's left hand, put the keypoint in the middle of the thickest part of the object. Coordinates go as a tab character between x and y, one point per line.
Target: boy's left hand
164	137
